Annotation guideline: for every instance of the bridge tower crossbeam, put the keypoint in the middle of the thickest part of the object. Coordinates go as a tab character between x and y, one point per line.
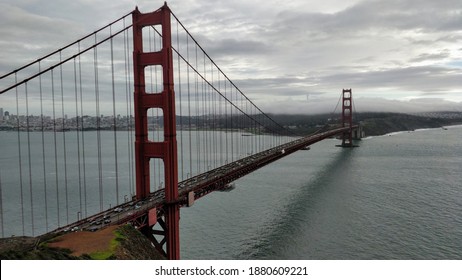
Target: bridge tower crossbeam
146	149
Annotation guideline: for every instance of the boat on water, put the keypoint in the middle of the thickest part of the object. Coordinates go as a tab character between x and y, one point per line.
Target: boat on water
306	148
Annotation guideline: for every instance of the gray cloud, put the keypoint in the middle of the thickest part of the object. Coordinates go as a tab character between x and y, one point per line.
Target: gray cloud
232	48
368	16
431	56
26	34
280	53
411	106
425	79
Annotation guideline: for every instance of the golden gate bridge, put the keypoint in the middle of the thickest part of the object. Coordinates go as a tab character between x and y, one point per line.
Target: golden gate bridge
129	124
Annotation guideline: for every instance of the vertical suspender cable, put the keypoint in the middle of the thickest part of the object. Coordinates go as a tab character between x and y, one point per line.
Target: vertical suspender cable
31	197
204	126
255	132
208	98
258	125
114	116
1	206
227	132
260	133
238	153
247	122
241	139
180	104
210	119
83	139
189	111
20	155
77	134
210	123
63	129
238	127
212	130
228	125
215	144
198	150
29	159
55	147
43	150
232	125
204	102
220	117
98	127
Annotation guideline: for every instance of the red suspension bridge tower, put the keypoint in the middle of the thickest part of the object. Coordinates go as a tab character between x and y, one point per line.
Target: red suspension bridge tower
167	149
347	118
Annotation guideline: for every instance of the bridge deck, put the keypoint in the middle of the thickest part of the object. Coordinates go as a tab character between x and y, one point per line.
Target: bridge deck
200	185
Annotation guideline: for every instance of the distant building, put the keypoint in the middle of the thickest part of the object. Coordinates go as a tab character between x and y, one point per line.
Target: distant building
1	114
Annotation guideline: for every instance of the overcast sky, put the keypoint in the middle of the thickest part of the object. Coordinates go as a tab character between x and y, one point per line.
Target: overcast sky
288	56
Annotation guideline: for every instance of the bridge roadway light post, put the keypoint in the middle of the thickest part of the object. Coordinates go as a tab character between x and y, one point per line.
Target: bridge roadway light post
167	149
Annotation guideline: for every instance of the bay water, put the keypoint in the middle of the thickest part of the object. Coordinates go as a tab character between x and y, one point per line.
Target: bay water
397	196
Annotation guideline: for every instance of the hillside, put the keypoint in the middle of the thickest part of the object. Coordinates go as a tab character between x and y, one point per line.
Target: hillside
373	123
116	243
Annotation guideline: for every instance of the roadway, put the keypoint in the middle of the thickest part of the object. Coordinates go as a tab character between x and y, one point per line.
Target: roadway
199	186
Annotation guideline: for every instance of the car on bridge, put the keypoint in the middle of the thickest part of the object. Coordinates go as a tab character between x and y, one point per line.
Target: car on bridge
93	229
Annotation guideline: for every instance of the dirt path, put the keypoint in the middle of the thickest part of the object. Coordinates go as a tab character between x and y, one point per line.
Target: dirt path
85	242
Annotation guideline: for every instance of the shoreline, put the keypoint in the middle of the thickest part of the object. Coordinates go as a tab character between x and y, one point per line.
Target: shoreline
412	131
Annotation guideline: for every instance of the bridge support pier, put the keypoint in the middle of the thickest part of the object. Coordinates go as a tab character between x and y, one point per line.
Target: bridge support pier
165	100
